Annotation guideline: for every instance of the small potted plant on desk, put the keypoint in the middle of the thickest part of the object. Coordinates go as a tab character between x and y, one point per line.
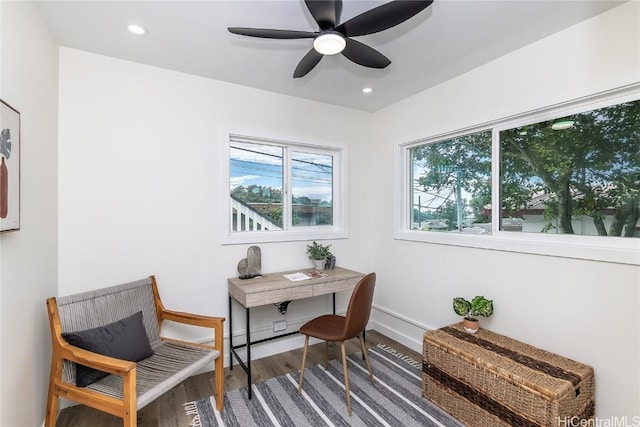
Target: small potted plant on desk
318	254
479	306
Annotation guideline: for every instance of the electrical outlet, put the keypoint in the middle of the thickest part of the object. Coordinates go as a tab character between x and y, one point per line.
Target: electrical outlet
279	325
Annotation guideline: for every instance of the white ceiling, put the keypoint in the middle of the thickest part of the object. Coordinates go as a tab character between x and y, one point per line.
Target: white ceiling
447	39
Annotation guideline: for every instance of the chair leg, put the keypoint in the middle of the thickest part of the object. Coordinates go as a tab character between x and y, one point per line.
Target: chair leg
304	360
366	357
346	377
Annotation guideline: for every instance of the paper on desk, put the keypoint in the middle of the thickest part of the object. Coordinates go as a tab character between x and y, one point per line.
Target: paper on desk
296	277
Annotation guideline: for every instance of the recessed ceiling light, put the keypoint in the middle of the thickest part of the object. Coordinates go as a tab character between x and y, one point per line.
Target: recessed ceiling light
136	29
367	90
563	124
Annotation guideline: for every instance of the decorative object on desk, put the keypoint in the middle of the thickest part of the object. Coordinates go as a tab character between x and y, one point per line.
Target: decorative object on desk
395	399
318	254
9	168
252	264
479	306
331	263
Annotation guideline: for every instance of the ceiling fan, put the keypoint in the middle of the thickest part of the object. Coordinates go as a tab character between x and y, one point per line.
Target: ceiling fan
336	38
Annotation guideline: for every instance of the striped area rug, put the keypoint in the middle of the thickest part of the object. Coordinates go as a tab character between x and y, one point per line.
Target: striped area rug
394	400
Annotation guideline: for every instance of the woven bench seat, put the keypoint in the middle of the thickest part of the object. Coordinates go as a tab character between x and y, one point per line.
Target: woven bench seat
130	385
171	364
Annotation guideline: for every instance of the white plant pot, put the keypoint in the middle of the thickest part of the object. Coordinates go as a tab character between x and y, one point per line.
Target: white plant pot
318	264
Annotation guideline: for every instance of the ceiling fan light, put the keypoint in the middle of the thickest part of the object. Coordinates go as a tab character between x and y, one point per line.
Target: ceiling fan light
136	29
329	43
561	125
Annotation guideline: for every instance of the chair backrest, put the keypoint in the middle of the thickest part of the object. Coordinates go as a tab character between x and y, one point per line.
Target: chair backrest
92	309
359	307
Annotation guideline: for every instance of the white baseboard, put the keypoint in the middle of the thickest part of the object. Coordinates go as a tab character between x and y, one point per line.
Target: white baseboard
398	327
395	335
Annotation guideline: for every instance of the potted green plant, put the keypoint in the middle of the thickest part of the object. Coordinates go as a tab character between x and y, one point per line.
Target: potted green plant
479	306
318	254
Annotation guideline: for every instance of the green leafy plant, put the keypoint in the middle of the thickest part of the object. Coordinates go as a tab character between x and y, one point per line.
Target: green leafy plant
318	251
479	306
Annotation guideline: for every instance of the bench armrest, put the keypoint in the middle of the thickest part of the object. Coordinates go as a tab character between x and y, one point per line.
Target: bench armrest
192	319
217	323
96	361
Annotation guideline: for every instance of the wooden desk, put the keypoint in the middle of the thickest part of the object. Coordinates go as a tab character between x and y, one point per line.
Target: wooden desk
274	288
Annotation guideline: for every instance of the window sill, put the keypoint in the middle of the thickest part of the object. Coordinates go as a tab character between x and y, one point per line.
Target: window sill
615	249
248	237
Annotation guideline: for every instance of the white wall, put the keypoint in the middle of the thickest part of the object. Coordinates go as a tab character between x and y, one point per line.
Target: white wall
28	263
139	187
139	181
585	310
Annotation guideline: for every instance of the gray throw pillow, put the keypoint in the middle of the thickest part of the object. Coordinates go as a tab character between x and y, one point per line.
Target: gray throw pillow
125	339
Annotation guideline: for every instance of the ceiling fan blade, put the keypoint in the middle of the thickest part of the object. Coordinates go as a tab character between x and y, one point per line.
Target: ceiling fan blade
382	17
325	12
364	55
272	34
307	63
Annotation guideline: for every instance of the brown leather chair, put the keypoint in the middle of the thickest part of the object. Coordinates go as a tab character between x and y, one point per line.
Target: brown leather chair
332	327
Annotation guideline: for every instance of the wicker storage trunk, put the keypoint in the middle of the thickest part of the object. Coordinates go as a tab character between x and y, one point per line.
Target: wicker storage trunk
490	380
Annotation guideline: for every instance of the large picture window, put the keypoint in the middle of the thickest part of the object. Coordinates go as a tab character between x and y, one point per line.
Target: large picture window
566	181
280	190
578	174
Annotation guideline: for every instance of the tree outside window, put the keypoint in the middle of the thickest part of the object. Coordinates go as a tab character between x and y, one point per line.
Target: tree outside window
451	184
579	174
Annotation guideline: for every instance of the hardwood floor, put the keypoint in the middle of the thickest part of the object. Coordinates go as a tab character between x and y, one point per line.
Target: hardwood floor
167	410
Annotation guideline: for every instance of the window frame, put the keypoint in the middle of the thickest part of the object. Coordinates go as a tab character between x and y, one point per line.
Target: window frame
596	248
340	202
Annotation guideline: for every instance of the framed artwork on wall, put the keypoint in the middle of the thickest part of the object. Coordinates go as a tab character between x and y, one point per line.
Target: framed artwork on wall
9	168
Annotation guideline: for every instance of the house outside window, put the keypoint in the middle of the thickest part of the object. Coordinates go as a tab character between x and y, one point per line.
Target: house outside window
280	190
566	179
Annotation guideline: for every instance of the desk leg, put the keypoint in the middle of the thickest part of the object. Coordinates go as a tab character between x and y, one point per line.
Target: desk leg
334	303
230	335
248	354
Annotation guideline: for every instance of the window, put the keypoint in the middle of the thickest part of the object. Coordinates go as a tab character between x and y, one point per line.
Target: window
578	174
566	179
278	190
451	184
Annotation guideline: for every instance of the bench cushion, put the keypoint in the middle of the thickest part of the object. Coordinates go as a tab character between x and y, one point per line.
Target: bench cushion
125	339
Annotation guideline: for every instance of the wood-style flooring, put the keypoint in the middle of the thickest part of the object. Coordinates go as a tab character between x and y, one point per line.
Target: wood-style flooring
167	410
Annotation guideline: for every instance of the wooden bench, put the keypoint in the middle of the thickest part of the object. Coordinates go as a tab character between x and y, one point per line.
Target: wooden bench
130	385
